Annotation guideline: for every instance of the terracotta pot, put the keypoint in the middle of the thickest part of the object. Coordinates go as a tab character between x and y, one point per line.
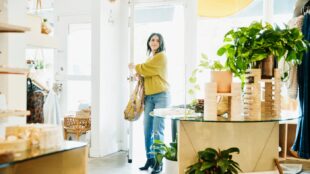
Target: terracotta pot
223	80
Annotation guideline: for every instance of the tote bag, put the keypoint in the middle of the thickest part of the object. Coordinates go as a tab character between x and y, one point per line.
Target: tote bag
135	104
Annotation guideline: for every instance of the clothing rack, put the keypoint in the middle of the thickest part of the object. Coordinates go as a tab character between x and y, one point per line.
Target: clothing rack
38	84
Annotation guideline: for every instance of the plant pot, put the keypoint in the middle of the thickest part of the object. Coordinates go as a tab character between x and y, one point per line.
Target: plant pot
171	166
268	65
223	80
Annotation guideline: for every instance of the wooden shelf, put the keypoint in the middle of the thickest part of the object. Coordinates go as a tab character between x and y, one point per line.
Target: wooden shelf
12	28
7	70
8	113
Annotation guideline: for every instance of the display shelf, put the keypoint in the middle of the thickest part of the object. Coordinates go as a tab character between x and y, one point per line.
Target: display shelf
8	70
4	27
8	113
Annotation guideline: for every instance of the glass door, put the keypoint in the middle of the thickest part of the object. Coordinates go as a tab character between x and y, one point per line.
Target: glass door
168	20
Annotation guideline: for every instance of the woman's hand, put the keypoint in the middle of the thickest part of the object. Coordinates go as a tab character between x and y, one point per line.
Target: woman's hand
131	66
138	76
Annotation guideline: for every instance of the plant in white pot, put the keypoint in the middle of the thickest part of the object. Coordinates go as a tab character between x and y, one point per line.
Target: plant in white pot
220	74
169	152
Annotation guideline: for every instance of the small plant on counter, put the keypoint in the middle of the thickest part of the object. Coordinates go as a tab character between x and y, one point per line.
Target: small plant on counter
204	64
211	161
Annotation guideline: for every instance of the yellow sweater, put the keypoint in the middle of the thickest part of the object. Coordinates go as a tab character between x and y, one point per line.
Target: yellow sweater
154	71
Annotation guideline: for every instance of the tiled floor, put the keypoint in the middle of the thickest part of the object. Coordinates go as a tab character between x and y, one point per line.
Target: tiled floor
117	164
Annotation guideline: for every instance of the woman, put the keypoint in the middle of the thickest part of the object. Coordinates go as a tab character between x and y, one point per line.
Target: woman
154	71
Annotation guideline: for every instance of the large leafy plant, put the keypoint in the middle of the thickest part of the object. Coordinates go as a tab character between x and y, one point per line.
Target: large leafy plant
204	64
246	46
161	150
211	161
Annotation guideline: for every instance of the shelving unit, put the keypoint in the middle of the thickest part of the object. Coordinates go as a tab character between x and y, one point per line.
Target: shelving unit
12	28
9	113
7	70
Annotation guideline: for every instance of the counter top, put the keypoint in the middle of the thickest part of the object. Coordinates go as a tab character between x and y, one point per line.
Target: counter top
198	117
37	153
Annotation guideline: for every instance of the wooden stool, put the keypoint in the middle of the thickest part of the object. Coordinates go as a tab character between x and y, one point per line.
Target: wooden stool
76	125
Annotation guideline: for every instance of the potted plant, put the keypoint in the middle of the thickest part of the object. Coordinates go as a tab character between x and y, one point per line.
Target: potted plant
211	161
169	152
219	74
256	46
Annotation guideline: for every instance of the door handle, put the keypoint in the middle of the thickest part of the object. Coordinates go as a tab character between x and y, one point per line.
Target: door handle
131	78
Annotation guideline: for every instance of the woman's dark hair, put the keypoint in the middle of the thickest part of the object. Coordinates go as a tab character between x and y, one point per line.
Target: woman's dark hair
161	43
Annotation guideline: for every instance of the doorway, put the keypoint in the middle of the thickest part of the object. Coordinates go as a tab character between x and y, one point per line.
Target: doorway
168	20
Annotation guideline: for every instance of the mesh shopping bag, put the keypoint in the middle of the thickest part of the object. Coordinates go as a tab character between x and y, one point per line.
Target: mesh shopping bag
135	104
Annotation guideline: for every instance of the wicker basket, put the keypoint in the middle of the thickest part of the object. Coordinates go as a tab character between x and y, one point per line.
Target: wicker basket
76	125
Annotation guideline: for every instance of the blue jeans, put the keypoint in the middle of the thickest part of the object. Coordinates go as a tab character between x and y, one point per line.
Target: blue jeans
154	126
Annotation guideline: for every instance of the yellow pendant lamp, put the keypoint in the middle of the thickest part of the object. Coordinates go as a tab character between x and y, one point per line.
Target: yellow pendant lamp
221	8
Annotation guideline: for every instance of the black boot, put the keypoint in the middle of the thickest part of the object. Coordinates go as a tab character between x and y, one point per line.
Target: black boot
157	168
149	163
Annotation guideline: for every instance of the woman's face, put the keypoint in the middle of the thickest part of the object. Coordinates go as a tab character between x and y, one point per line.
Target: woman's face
154	43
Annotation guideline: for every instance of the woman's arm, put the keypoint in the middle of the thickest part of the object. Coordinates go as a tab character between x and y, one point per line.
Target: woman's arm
152	67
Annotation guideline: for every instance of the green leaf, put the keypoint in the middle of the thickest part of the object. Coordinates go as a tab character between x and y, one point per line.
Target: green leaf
192	79
206	165
221	51
191	92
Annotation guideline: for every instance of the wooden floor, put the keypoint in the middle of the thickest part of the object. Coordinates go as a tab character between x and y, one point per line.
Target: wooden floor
305	163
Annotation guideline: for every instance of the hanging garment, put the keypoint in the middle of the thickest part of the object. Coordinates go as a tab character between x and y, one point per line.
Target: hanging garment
302	140
35	102
51	109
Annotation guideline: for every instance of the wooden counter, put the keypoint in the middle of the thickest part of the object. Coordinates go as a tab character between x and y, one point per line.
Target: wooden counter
71	158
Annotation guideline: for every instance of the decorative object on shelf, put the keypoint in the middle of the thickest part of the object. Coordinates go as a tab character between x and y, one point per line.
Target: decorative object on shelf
41	136
169	152
271	104
39	64
212	107
219	75
215	162
45	27
247	47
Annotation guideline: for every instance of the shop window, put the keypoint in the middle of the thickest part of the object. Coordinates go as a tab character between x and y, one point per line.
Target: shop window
78	95
78	85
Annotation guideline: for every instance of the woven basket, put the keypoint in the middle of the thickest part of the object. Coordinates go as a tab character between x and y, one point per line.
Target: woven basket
76	125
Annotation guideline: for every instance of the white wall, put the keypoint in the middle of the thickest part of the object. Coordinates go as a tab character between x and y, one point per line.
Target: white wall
72	7
108	72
